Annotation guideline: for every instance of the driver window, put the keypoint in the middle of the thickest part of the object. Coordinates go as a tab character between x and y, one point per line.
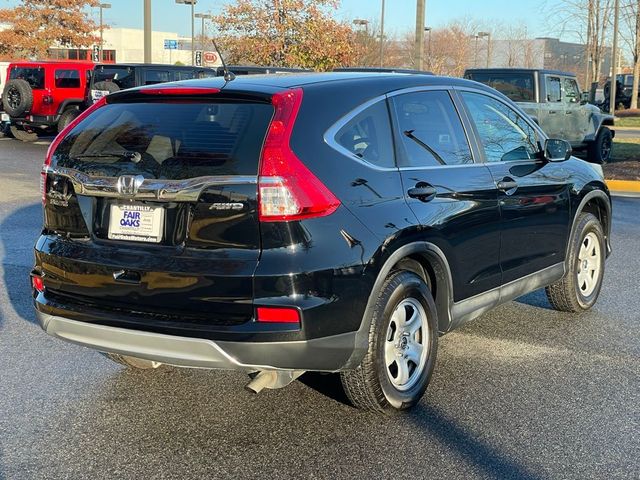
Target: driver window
571	91
504	133
368	136
553	90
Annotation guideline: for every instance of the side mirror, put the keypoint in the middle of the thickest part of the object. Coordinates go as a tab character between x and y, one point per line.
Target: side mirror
584	98
557	150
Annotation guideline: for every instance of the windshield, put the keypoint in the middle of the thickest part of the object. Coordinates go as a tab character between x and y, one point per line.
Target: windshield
168	140
33	75
519	87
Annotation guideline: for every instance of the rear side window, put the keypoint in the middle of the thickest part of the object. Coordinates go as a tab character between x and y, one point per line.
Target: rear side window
151	77
123	77
33	76
519	87
185	74
553	89
368	136
67	79
429	130
168	140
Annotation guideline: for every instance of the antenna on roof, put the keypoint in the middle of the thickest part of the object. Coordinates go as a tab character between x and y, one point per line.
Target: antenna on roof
229	76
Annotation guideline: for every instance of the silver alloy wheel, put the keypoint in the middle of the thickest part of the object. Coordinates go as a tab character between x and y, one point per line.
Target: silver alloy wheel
589	264
407	344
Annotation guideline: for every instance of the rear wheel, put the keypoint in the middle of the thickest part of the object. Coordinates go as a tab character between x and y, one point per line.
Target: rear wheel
22	134
579	289
133	362
67	117
403	341
600	150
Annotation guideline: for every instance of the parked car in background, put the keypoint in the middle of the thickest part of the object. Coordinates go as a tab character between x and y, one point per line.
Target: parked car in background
44	97
336	222
624	91
554	100
109	78
5	121
256	70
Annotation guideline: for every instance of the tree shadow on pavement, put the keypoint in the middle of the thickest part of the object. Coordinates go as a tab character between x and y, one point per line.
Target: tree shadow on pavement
18	233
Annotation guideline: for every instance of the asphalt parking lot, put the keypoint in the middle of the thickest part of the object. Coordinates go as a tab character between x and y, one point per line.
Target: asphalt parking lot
523	392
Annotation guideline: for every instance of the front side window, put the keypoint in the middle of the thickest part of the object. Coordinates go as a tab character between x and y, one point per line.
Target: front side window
429	130
503	132
571	91
368	136
67	79
553	89
33	76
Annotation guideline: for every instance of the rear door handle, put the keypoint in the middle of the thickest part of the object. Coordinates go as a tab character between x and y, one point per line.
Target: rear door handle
507	184
552	112
423	192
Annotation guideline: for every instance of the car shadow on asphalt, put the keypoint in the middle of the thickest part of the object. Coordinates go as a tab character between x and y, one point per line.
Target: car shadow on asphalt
18	233
535	299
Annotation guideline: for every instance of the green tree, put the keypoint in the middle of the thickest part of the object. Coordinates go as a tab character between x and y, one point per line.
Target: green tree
34	26
286	33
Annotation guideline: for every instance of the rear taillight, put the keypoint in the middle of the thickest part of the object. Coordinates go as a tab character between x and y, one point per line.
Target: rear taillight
56	142
287	188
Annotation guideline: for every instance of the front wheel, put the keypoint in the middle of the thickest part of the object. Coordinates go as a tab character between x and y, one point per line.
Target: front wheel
579	289
600	150
403	341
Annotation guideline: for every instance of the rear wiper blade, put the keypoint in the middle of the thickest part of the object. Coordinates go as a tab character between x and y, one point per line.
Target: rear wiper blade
409	134
135	157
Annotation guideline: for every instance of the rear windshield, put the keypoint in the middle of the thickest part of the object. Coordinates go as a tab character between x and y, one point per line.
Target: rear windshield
123	77
519	87
34	76
168	140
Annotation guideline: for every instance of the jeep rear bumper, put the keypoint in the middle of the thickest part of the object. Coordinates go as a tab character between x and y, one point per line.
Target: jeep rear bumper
37	121
327	354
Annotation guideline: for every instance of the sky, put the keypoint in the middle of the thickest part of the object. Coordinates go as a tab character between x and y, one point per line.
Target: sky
399	14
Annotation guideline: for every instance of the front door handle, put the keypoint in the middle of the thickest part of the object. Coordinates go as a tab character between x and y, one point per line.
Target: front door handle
552	112
507	184
423	192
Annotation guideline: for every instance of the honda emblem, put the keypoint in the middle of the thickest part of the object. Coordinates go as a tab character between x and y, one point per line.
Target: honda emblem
128	185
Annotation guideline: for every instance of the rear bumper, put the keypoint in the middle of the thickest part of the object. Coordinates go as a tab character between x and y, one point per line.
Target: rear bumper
37	121
326	354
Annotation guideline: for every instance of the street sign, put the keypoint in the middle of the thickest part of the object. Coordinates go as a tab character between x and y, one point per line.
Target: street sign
210	58
95	54
198	59
171	44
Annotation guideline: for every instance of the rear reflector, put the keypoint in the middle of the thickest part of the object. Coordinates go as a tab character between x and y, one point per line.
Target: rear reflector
277	315
37	283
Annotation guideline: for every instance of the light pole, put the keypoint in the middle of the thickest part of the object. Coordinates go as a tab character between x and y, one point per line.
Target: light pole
614	73
147	31
193	26
419	45
488	36
203	17
428	30
360	22
102	6
382	35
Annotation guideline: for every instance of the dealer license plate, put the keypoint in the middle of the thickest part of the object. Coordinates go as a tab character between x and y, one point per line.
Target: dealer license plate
136	223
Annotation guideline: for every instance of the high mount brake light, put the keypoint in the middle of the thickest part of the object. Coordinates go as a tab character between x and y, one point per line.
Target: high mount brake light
178	91
56	142
287	189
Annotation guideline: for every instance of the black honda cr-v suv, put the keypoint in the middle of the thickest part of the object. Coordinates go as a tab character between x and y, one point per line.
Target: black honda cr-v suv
333	222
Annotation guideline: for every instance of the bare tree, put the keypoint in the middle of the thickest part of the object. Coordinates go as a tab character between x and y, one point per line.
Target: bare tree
630	36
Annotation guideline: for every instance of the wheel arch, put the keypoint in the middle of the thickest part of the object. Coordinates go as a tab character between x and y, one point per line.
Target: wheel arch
426	260
598	203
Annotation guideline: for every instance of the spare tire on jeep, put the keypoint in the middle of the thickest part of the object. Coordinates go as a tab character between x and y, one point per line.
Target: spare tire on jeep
17	97
106	87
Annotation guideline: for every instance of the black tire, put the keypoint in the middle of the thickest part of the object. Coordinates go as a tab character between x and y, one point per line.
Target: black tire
369	386
570	294
133	362
23	135
67	117
600	150
17	97
106	86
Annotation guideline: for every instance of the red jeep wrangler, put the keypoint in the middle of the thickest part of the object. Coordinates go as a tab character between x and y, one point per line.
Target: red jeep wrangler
44	97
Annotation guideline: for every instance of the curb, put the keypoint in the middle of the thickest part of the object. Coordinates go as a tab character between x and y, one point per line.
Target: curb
624	186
